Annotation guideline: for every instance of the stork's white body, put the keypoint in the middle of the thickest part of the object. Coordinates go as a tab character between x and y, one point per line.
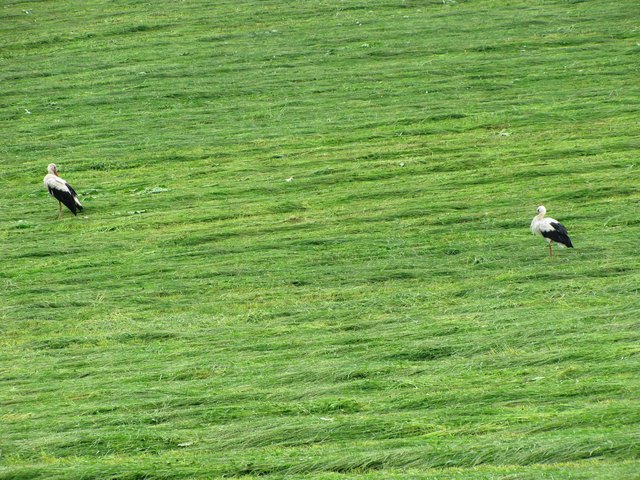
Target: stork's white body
539	225
56	183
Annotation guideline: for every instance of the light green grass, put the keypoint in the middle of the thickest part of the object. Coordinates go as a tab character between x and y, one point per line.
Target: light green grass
385	314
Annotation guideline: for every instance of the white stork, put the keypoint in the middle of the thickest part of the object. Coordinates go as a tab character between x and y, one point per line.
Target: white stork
63	192
551	229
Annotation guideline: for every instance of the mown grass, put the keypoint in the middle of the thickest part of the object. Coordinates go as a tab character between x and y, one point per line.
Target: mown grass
305	248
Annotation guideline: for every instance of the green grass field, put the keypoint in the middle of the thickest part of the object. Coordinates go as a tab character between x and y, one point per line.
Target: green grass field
305	249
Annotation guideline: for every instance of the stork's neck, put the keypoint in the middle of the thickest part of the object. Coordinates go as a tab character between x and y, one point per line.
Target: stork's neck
540	216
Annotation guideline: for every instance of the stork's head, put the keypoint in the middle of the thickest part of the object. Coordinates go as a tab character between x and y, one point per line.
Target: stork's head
52	169
541	210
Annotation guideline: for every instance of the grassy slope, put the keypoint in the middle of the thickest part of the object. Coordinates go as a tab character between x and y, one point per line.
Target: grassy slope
385	314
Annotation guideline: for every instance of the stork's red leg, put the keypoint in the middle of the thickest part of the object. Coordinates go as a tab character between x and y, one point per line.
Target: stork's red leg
59	211
550	250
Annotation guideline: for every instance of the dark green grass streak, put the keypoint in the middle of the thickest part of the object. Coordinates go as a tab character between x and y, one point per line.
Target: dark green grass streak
385	314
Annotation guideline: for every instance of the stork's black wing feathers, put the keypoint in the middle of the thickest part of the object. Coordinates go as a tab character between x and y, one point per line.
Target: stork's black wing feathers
73	192
66	198
559	234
